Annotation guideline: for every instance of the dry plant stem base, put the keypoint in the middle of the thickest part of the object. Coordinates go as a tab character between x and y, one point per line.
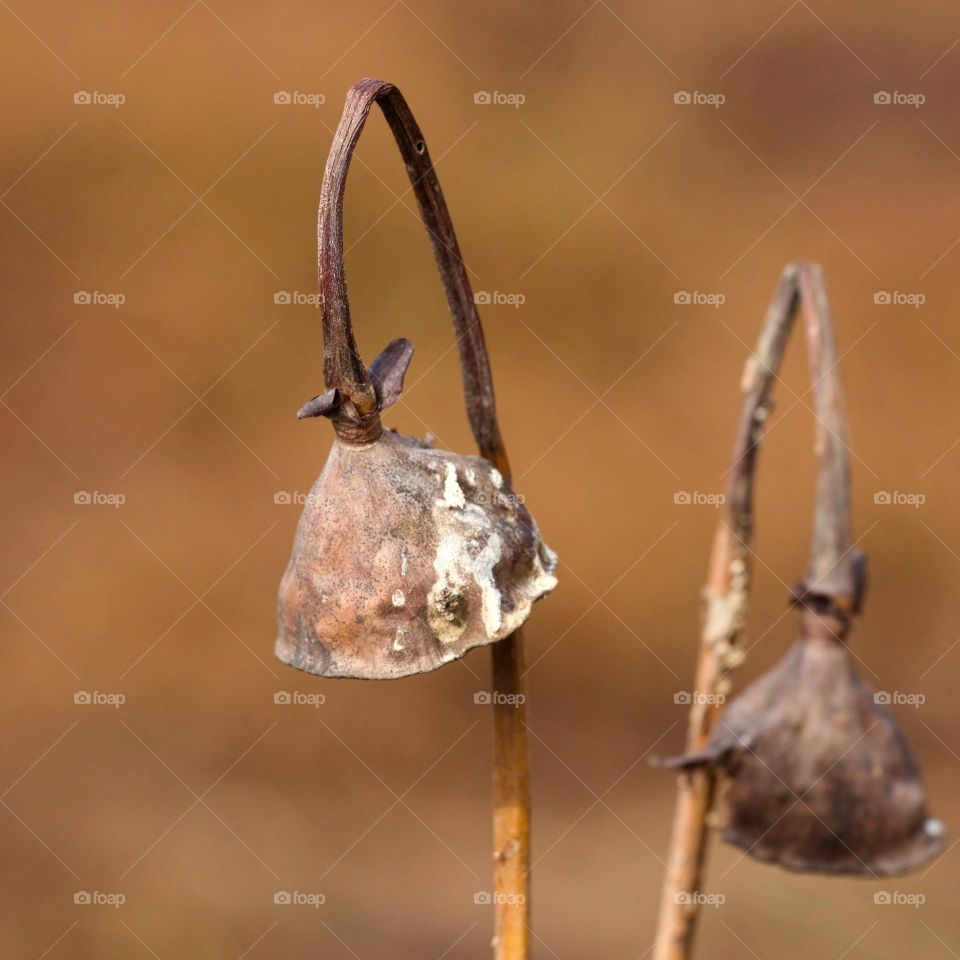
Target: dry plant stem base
723	618
344	372
511	802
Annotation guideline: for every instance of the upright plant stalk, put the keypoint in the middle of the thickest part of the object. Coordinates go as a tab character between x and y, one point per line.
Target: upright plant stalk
726	593
345	373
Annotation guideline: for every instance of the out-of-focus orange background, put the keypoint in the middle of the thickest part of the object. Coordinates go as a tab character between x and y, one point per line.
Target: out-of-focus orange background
590	205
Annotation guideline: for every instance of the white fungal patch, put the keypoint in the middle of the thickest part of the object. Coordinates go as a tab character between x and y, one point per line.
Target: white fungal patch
398	599
489	594
404	557
466	601
398	640
933	827
445	601
453	497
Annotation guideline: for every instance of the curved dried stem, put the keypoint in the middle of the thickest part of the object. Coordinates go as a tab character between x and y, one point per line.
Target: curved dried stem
344	372
343	368
726	593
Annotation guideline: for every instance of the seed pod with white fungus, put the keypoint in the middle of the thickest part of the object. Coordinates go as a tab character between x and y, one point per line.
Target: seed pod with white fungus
406	557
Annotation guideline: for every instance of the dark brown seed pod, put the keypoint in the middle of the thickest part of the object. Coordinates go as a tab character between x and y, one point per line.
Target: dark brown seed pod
820	777
405	557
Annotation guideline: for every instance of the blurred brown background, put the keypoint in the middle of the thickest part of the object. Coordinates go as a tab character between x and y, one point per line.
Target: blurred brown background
597	200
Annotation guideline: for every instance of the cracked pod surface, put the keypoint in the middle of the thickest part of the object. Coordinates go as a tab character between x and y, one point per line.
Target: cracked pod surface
820	776
405	558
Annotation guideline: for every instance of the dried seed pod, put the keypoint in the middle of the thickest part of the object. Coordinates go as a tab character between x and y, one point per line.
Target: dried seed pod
820	777
406	557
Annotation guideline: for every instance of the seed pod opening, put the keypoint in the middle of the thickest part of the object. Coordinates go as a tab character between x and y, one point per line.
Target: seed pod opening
820	777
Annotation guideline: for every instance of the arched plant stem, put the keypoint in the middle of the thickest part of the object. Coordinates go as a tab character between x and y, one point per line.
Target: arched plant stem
832	575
